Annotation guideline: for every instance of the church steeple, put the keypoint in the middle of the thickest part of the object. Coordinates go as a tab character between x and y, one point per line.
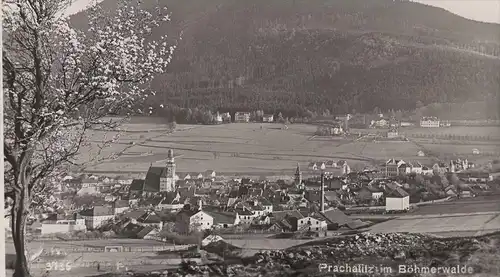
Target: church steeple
167	182
298	176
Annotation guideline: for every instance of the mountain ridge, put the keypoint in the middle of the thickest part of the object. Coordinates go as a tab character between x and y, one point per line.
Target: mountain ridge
331	54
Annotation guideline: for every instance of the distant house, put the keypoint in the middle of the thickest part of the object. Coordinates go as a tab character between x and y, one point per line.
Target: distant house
405	124
450	191
427	170
210	239
226	117
430	122
475	151
210	174
466	193
392	134
395	167
224	219
171	201
317	166
242	117
268	118
379	123
397	200
95	216
445	123
420	153
440	168
370	193
120	206
330	164
476	177
123	180
218	118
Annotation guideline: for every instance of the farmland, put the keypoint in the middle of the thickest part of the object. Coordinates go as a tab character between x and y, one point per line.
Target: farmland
241	148
450	224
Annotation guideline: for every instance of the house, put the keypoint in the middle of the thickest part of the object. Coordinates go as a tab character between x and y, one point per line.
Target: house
86	183
120	206
396	167
246	216
224	219
187	221
317	166
330	164
268	118
405	124
415	167
150	219
226	117
445	123
171	201
429	122
58	223
393	133
397	200
427	170
380	123
476	177
475	151
209	174
123	180
336	219
440	168
420	153
96	216
370	193
466	193
218	118
312	223
243	117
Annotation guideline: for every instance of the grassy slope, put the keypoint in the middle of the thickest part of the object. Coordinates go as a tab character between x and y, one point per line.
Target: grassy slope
333	54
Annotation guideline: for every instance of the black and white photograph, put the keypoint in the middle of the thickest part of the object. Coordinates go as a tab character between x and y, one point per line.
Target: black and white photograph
251	138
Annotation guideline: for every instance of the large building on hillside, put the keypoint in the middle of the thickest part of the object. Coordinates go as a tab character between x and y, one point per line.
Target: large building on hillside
430	122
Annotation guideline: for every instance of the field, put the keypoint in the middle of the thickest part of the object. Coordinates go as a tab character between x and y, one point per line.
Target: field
241	148
449	225
472	205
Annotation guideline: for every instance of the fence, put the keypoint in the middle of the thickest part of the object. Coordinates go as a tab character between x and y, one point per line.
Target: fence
127	248
454	137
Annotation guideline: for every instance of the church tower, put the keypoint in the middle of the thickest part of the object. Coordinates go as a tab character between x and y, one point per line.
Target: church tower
452	166
167	180
298	176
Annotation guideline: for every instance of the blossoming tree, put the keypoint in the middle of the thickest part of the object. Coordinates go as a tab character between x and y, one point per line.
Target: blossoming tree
58	82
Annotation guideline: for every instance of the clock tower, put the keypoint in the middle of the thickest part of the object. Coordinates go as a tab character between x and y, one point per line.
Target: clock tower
167	180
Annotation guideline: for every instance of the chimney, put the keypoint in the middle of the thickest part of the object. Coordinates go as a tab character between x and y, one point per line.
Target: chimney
322	192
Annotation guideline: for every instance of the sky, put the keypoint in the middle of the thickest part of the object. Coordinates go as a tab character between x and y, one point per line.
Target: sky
480	10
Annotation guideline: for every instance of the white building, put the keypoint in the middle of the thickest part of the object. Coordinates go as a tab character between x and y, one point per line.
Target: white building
430	122
311	223
397	200
268	118
63	225
96	216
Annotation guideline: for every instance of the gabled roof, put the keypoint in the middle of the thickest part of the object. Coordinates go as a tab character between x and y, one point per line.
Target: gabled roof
149	218
280	215
170	198
137	185
98	211
398	193
335	216
222	217
144	231
152	181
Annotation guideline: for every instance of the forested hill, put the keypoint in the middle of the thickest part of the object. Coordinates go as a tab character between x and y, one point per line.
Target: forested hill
340	55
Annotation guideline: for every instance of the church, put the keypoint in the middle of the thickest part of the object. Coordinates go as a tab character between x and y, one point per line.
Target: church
158	179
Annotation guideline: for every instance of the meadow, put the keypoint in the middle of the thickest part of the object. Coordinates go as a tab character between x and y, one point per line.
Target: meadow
441	224
250	149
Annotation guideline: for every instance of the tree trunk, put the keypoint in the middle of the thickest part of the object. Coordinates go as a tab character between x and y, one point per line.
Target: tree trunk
18	218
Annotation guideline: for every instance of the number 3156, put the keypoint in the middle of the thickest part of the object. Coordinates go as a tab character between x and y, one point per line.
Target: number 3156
58	266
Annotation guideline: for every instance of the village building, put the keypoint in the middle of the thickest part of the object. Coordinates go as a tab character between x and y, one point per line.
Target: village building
393	133
397	200
120	206
269	118
242	117
96	216
430	122
59	223
395	167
